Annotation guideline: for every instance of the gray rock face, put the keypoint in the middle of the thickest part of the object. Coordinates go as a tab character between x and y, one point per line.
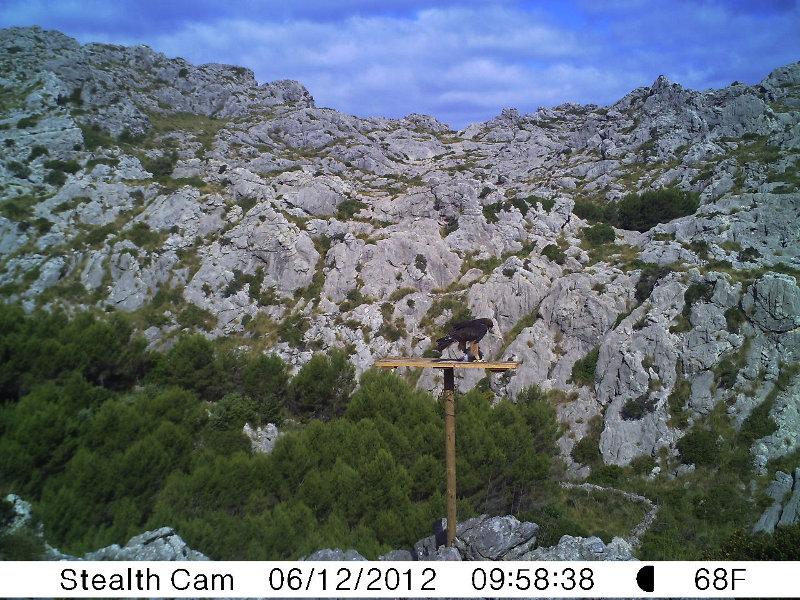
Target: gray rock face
791	510
785	510
481	538
578	548
774	301
334	554
492	538
786	439
160	544
262	439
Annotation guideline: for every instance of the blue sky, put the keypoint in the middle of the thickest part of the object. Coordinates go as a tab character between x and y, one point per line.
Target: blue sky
460	61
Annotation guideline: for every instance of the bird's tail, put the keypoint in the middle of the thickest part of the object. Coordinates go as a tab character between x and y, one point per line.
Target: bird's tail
444	342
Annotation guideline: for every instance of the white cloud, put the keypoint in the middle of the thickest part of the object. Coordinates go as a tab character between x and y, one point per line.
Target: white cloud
460	61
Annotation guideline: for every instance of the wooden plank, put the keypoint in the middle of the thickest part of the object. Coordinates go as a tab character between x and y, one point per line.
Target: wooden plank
392	362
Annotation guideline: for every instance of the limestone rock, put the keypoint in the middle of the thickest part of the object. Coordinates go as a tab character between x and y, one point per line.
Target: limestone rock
334	554
160	544
262	439
774	301
786	439
579	548
480	538
494	538
778	490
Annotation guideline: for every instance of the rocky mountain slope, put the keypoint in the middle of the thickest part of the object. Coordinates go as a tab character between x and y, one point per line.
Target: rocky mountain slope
194	198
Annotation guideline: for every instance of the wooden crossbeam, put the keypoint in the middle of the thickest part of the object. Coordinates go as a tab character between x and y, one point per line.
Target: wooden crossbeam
392	362
448	368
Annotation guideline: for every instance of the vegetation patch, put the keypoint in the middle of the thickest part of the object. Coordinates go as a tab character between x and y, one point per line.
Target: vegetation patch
635	409
696	292
640	211
583	371
586	451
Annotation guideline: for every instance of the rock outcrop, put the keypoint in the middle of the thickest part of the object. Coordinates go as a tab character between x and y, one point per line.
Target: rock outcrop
785	510
160	544
262	439
495	538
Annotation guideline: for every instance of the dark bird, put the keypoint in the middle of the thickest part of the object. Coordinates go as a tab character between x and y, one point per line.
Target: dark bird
467	332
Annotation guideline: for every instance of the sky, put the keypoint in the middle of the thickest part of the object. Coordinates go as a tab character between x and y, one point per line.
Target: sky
460	61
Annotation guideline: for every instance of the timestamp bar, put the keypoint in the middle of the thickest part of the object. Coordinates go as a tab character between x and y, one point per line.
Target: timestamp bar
392	579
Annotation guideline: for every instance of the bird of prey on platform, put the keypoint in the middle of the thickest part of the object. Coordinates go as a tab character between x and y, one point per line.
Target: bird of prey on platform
467	332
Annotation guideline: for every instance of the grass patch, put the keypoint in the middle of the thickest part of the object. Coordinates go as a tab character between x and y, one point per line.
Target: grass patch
577	511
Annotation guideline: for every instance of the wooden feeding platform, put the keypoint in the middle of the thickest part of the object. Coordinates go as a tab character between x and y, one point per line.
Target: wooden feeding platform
392	362
448	368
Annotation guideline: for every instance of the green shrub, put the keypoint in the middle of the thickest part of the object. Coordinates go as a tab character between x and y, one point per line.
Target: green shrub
56	178
591	211
161	166
783	544
348	208
651	273
490	212
727	371
676	401
265	379
643	465
292	329
758	424
36	152
27	122
22	544
323	385
141	235
94	136
606	475
233	411
583	371
699	447
547	203
69	166
194	317
734	317
601	233
18	170
586	451
19	208
643	211
636	408
190	364
554	253
696	292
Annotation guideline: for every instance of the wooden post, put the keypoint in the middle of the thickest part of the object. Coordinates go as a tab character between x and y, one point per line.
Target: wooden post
448	367
450	450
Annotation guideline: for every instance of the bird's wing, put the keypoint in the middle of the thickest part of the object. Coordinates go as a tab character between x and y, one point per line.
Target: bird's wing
463	324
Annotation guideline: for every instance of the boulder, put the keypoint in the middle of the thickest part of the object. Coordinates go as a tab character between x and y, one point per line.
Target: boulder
777	490
579	548
334	554
791	510
160	544
774	303
481	538
262	439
